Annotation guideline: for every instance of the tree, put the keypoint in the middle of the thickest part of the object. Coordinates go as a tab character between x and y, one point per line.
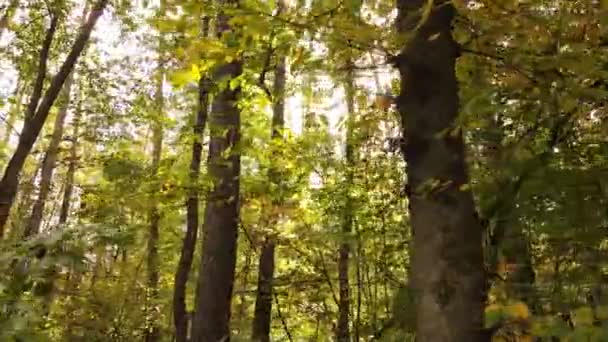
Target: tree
342	333
36	114
447	261
218	261
152	334
266	264
192	206
49	161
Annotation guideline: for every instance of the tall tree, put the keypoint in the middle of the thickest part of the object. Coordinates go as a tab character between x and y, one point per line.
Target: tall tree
68	187
49	161
266	263
342	330
36	114
447	261
152	331
180	317
220	229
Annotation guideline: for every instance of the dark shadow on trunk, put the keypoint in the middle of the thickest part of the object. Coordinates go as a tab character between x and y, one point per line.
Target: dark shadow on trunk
447	261
180	315
220	229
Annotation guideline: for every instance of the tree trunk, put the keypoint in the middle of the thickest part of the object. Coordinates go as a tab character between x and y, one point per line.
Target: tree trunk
263	301
35	118
216	275
152	333
342	330
49	161
9	12
447	260
180	316
69	176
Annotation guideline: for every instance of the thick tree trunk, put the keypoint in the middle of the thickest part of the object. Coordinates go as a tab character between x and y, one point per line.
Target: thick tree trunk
48	163
263	301
447	260
342	330
216	275
35	118
8	14
180	317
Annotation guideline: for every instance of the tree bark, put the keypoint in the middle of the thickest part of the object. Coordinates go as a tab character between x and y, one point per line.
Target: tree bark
263	301
216	275
35	118
342	330
49	161
180	317
447	260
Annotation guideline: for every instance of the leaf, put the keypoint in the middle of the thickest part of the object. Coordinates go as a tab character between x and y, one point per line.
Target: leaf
182	77
518	310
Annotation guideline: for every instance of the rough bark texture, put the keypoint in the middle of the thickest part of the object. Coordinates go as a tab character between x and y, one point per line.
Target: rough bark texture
216	275
263	301
34	123
342	330
180	317
49	161
447	260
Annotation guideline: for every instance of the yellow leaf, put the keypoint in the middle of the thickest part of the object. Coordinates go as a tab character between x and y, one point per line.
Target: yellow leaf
518	310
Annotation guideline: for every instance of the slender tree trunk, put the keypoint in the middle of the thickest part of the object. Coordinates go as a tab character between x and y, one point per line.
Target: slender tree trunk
180	316
8	14
152	333
36	114
216	275
263	301
49	161
447	261
342	331
68	189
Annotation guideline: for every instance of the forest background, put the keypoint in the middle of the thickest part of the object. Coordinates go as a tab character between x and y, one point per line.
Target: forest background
303	170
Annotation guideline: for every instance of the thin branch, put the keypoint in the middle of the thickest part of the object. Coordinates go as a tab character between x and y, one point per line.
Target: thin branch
283	322
3	118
